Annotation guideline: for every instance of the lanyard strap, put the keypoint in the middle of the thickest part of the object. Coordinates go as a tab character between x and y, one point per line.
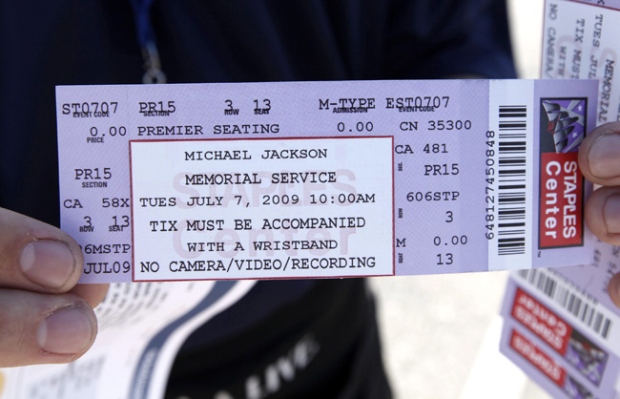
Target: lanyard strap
146	40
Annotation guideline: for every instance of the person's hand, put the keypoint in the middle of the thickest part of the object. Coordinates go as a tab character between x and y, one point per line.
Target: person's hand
44	316
599	160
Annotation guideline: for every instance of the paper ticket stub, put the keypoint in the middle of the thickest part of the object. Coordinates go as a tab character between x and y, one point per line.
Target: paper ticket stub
580	42
323	179
562	329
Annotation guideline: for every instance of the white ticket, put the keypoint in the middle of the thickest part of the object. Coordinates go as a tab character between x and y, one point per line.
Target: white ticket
323	179
580	42
562	329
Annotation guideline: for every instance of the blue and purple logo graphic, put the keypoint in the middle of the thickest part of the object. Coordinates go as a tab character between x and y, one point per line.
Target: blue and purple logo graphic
566	123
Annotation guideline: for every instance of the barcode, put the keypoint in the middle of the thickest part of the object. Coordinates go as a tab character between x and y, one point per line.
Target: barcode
512	177
577	304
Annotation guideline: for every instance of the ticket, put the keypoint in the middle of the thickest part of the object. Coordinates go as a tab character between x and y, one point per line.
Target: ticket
580	42
323	179
563	330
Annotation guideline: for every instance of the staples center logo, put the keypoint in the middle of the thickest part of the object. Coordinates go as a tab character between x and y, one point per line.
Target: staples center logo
563	123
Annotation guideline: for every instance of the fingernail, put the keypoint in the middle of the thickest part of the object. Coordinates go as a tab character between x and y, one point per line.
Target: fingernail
611	214
66	331
603	156
613	288
48	263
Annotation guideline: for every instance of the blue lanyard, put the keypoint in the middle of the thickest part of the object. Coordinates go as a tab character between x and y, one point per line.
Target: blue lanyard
142	16
146	40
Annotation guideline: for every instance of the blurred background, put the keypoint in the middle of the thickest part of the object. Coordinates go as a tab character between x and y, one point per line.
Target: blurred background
441	333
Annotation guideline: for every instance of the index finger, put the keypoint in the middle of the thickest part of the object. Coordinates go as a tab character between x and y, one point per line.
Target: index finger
599	155
35	256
